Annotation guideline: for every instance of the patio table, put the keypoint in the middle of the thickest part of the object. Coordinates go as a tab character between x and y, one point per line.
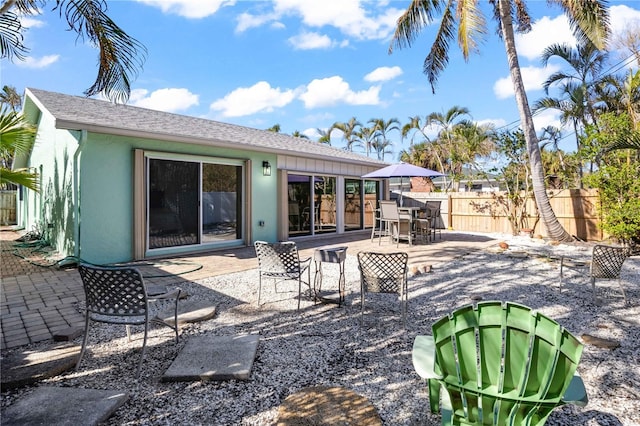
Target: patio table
329	255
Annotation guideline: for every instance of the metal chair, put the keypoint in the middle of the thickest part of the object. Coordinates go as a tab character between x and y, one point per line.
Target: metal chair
433	211
392	220
606	262
117	295
498	364
383	273
377	228
281	261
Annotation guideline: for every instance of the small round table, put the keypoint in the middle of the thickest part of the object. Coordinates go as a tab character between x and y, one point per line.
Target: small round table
329	255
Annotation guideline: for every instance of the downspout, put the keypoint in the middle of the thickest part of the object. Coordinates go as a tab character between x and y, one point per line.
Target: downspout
76	194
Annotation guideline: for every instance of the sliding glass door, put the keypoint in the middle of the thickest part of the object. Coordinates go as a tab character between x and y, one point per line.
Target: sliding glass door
193	202
311	204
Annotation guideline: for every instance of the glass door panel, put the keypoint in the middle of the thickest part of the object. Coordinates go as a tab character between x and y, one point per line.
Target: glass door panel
173	196
371	197
324	204
352	204
299	195
221	198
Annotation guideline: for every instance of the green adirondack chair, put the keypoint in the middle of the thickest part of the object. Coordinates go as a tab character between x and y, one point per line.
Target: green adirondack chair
498	364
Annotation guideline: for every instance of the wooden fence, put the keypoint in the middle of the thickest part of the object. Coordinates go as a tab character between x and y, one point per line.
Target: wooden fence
7	207
576	209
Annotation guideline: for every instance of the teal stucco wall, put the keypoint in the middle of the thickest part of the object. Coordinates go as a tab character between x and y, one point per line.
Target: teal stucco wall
87	196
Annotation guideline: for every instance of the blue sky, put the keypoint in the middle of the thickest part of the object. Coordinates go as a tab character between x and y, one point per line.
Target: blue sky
298	63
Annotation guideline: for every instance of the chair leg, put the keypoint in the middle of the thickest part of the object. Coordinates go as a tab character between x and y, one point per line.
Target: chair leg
259	288
624	295
593	290
175	318
299	290
561	271
84	340
144	347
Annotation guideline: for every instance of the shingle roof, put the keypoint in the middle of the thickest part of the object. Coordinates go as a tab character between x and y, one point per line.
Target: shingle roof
81	113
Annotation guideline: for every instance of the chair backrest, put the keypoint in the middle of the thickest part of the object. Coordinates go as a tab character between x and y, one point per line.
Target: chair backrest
502	363
606	261
389	210
278	258
114	291
383	272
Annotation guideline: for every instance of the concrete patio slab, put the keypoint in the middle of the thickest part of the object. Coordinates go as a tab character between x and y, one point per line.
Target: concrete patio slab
28	367
190	311
214	358
54	406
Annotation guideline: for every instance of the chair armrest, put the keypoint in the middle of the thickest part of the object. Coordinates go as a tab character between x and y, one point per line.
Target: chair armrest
576	393
423	356
305	263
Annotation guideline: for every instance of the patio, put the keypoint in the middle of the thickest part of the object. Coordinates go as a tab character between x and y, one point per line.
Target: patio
323	345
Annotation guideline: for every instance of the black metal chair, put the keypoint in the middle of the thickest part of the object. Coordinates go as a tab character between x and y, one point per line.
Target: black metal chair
384	273
117	295
281	261
606	262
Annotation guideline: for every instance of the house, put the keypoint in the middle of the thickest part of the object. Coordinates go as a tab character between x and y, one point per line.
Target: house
121	183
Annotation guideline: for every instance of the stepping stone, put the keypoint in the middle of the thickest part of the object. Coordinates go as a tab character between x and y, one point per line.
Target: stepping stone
214	358
323	405
155	289
28	367
188	312
600	342
64	406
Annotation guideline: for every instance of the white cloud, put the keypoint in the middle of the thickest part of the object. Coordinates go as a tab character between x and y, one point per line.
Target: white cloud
548	117
334	90
260	97
308	41
247	21
195	9
544	32
622	17
348	16
42	62
31	22
169	100
533	78
383	74
495	122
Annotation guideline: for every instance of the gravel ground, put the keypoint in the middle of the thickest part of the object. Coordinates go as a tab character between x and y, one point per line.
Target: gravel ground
325	345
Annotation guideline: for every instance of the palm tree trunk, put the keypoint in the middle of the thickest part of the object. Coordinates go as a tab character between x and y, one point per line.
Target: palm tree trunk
549	219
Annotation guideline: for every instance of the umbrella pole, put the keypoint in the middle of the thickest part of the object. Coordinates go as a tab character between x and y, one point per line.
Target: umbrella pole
401	183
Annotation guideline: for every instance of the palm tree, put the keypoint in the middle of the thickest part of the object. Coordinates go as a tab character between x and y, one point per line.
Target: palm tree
120	56
366	137
431	157
349	132
589	20
325	136
298	134
16	137
275	128
382	128
10	97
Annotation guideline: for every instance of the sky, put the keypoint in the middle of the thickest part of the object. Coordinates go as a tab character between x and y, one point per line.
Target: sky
301	64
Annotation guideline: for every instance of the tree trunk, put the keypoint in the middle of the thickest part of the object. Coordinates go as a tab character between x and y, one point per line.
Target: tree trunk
549	219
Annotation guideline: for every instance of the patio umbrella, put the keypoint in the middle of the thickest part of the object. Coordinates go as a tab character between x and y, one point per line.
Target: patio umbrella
402	170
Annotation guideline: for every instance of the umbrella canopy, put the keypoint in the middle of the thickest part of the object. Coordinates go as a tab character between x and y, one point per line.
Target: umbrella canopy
402	170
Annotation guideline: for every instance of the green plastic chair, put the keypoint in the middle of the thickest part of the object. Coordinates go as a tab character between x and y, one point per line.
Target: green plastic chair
498	364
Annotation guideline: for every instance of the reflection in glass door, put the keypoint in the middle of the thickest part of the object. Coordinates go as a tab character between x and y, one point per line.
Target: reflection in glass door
173	194
221	194
371	197
177	189
311	215
352	204
324	204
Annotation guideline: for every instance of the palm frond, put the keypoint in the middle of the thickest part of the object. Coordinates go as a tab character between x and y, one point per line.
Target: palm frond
589	20
19	177
438	58
472	26
11	38
121	56
16	135
418	15
629	141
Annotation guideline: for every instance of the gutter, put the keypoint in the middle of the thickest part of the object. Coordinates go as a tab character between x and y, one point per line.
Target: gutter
76	193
